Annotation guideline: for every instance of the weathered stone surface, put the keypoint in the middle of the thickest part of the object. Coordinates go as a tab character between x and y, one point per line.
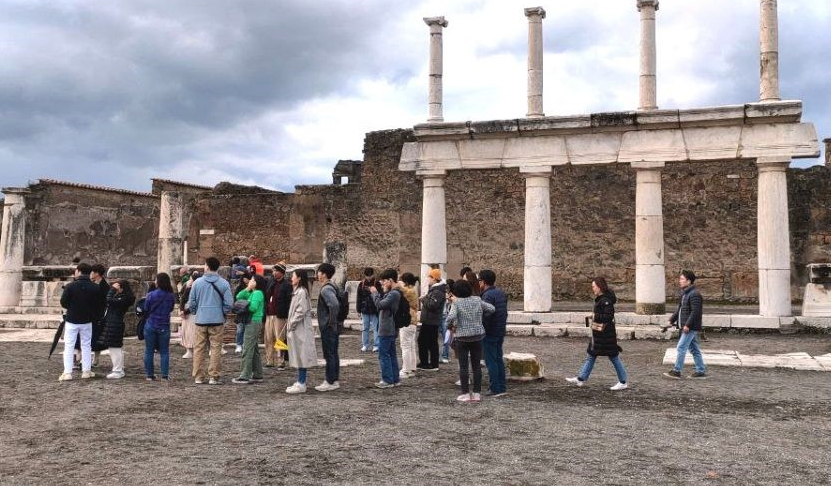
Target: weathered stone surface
754	322
551	330
519	330
523	367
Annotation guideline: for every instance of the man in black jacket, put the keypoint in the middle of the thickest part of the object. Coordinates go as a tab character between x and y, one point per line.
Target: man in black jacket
81	301
277	300
688	318
97	275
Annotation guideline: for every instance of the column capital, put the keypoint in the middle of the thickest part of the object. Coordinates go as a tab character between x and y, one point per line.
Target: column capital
772	164
436	21
535	12
431	174
15	190
647	4
535	171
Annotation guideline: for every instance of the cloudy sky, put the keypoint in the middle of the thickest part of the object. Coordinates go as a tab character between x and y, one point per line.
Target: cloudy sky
275	92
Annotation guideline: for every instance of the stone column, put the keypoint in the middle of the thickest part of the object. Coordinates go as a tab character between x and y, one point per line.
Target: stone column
650	275
774	238
535	16
648	89
433	224
12	245
537	274
769	51
171	231
436	62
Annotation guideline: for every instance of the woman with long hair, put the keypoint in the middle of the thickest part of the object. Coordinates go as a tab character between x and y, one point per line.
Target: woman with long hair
473	280
299	332
604	336
119	298
252	364
158	305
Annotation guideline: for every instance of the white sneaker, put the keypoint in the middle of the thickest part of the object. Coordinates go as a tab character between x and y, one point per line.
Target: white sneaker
238	349
115	375
296	388
475	397
326	386
383	384
87	375
405	374
375	349
334	386
463	398
444	361
188	354
65	377
619	386
575	381
364	349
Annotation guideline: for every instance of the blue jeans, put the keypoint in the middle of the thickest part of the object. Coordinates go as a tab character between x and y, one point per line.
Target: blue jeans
301	376
588	365
685	342
492	350
388	360
370	322
156	339
445	348
240	334
329	343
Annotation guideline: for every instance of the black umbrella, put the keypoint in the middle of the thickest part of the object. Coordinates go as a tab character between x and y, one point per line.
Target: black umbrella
57	337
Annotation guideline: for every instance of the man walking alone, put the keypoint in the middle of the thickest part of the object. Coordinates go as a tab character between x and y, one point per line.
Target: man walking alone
688	318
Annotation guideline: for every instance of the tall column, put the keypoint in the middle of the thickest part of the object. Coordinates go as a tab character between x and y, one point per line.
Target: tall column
535	16
648	84
537	274
769	51
650	275
171	231
436	67
773	238
433	224
12	245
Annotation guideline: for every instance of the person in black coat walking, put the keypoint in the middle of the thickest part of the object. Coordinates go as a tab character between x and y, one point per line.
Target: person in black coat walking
604	336
119	298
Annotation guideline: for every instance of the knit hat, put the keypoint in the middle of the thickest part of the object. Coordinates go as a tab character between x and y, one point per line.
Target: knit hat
280	267
435	274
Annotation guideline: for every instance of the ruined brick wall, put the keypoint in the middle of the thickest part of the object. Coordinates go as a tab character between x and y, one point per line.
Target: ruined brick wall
110	227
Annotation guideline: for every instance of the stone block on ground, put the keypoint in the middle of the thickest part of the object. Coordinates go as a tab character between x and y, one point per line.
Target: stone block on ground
551	330
754	322
523	367
715	320
824	360
579	331
815	322
625	333
652	332
520	330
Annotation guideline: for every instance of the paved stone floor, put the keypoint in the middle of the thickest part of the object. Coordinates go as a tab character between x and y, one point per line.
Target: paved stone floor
721	357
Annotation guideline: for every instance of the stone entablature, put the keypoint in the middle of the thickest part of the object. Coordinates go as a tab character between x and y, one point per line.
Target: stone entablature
746	131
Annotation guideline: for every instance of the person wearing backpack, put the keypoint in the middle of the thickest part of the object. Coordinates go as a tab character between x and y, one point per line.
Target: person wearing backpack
328	311
210	299
409	350
387	305
252	365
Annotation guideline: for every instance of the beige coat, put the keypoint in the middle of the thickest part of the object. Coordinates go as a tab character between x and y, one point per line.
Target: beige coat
300	335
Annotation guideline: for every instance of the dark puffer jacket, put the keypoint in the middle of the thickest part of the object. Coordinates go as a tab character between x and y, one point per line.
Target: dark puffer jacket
432	304
112	334
604	343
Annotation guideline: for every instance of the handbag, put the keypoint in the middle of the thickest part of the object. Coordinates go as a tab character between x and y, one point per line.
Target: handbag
598	326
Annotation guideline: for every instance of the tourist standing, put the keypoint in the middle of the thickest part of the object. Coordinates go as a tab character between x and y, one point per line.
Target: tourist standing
252	365
119	299
97	275
387	305
300	335
210	299
240	321
158	304
328	307
409	350
465	318
432	317
604	337
80	299
366	307
255	266
187	331
473	280
494	325
278	299
688	317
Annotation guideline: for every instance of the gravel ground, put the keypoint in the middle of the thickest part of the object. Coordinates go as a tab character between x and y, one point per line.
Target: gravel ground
741	426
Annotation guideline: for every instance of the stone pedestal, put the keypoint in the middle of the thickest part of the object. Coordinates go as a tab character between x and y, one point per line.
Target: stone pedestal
650	287
523	367
433	224
535	51
647	81
768	51
436	67
537	274
171	231
12	245
774	239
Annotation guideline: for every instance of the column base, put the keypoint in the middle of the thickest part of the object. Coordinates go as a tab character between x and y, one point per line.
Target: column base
644	308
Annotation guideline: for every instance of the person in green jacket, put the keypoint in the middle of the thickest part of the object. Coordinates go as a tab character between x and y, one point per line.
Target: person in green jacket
252	365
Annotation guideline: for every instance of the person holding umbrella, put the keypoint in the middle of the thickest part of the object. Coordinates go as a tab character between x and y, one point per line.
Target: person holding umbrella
80	299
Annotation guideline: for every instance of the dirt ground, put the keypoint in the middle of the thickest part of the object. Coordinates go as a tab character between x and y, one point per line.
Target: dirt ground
741	426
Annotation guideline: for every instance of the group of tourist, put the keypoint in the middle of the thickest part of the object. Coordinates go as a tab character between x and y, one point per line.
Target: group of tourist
468	315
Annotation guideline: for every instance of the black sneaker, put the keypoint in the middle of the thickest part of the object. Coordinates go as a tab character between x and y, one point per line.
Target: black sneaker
495	395
698	375
672	375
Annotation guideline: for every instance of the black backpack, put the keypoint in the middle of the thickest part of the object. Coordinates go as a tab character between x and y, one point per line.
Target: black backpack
343	302
402	317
